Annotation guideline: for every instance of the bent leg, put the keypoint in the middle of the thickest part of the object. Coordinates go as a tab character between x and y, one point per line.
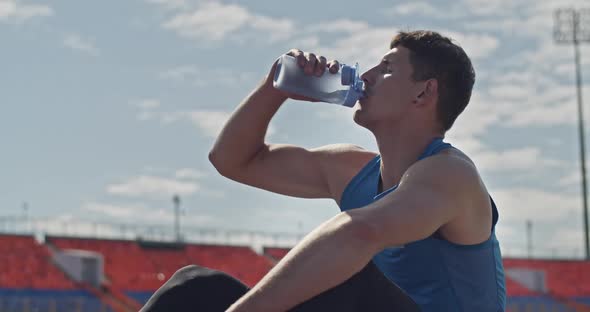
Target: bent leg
367	290
195	288
383	295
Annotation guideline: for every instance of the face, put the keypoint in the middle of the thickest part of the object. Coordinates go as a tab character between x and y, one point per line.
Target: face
391	91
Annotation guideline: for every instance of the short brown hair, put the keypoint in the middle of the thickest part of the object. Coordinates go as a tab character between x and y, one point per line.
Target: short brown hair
435	56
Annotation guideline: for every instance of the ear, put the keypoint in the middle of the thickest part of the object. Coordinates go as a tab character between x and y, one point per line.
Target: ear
429	93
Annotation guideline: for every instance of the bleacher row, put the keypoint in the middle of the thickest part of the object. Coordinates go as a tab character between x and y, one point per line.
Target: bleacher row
30	281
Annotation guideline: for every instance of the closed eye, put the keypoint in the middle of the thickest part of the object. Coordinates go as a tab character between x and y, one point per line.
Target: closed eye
386	66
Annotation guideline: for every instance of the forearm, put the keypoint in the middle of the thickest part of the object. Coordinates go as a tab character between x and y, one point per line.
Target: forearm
244	133
328	256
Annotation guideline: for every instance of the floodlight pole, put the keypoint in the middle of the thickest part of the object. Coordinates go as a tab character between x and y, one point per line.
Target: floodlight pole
176	200
570	30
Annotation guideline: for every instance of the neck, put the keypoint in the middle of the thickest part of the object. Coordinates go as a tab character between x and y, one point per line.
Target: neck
399	149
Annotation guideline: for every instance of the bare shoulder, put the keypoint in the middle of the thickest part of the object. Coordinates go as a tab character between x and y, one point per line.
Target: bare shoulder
340	163
450	174
450	164
455	180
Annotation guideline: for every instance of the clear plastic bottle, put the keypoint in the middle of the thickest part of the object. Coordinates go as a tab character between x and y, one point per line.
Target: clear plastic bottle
344	87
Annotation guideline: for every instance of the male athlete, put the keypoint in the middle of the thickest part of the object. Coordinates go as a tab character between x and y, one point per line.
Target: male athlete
416	231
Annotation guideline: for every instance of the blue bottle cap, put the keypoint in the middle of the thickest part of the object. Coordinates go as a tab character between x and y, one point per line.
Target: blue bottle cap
348	74
356	90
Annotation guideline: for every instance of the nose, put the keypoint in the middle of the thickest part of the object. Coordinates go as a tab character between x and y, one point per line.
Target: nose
367	77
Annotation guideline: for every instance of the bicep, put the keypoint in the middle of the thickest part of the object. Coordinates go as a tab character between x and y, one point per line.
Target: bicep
289	170
297	171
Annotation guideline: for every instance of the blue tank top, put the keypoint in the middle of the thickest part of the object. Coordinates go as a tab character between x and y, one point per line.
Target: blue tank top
439	275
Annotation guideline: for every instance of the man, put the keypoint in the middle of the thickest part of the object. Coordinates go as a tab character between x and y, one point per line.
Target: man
425	219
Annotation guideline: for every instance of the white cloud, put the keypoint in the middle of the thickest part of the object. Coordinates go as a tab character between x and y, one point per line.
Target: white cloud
115	211
189	173
521	159
545	111
547	115
571	238
469	128
494	7
214	21
521	203
209	122
157	170
534	85
529	97
505	231
477	117
14	10
551	239
76	42
510	91
147	109
275	29
338	25
148	104
476	45
146	115
180	72
141	213
154	187
165	215
466	9
366	45
204	77
571	179
414	8
171	4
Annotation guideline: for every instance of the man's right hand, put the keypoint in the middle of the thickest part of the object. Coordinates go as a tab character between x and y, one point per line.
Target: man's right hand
311	64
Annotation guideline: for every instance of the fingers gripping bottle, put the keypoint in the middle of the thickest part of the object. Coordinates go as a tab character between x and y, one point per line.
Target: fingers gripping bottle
344	87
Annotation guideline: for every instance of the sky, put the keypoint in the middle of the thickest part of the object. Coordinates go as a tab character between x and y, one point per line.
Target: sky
109	108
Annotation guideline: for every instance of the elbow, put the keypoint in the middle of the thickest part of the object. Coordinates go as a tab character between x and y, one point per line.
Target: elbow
217	162
362	231
225	166
365	233
213	158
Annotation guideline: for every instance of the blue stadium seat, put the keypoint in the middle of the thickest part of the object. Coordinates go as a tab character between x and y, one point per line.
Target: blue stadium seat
50	301
141	296
538	303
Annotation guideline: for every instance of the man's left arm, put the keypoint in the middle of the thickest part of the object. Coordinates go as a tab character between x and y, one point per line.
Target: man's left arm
430	194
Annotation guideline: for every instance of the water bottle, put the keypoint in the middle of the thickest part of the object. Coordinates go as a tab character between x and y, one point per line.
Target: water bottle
344	87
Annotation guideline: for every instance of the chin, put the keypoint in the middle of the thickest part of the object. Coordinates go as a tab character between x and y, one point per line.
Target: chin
360	117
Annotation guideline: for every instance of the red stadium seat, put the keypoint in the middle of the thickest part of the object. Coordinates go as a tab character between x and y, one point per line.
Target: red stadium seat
564	278
130	267
276	253
27	264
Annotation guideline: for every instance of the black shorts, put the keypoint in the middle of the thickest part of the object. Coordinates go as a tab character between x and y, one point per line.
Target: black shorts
195	288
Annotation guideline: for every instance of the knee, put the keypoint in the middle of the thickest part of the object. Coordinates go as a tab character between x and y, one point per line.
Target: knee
191	271
186	270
